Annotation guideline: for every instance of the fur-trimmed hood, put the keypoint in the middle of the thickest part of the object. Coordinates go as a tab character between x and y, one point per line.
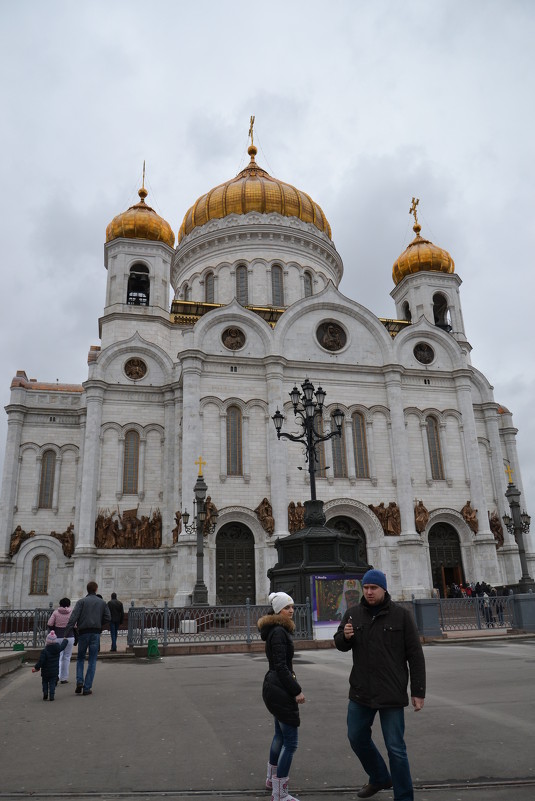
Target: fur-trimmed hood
267	622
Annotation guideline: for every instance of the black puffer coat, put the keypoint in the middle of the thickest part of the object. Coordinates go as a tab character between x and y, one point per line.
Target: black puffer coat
48	662
280	686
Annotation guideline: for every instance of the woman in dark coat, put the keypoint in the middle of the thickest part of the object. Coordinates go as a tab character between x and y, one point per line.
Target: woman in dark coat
281	692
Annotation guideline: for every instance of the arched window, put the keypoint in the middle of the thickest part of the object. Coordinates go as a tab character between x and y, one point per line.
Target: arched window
242	289
130	463
277	287
359	446
39	580
186	292
138	286
209	283
46	485
308	284
440	311
435	454
234	441
339	453
407	312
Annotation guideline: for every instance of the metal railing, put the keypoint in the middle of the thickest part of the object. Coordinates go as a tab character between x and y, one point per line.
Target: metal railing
189	624
463	614
23	627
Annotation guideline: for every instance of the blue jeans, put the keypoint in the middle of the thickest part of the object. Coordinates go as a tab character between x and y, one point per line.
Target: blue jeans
85	642
114	628
49	686
359	731
283	747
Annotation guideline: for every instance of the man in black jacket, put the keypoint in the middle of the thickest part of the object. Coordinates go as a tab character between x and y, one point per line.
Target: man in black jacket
385	645
117	613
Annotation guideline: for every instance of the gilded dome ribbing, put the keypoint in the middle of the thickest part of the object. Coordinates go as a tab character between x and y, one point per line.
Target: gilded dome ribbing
421	255
140	222
253	189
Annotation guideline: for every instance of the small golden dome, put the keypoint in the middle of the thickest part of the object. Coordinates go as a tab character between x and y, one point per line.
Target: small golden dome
420	256
140	222
253	189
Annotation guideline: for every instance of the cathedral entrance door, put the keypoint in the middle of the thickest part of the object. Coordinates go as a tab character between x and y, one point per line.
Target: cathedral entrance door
445	556
235	565
351	527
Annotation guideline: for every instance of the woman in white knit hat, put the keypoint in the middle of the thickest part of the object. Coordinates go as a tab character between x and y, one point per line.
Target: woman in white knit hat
281	692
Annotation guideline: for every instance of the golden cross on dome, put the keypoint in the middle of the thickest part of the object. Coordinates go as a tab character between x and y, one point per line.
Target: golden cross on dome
412	209
251	129
509	473
143	182
200	462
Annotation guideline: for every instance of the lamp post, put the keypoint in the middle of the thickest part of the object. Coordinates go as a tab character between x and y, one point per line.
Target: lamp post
518	524
308	409
200	590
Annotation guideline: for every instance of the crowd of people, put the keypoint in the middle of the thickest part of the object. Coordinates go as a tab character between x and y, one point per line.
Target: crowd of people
490	600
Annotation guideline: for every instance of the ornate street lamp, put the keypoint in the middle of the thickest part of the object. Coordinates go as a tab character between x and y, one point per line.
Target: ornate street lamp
308	409
518	524
198	526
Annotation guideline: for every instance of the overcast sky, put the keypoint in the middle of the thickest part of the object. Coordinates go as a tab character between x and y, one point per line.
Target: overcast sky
360	104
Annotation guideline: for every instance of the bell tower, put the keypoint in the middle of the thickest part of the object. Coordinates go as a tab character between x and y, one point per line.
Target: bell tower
427	286
137	255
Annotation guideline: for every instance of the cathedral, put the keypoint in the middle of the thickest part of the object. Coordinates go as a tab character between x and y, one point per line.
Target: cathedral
98	477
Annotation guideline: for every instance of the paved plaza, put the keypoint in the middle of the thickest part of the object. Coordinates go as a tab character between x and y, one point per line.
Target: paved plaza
194	728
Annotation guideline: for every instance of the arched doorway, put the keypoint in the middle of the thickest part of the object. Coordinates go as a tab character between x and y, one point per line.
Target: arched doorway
235	565
445	556
351	527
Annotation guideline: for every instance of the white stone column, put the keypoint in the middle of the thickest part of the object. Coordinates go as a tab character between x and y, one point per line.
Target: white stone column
192	430
171	501
10	478
400	450
37	482
223	446
425	450
141	467
120	466
350	451
370	451
57	477
90	469
444	446
484	540
497	464
414	567
277	453
246	456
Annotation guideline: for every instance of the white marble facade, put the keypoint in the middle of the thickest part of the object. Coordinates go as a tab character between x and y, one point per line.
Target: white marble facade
179	409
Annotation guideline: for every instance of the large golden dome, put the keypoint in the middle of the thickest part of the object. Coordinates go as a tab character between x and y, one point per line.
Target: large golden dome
140	222
420	256
253	189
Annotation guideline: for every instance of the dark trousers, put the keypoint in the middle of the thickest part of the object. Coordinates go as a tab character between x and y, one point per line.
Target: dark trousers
49	686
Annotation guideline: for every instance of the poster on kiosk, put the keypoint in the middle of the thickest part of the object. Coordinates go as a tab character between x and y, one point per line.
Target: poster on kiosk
331	595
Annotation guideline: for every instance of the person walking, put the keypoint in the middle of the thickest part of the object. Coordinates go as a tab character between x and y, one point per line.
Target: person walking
385	645
48	664
57	622
117	613
281	692
90	615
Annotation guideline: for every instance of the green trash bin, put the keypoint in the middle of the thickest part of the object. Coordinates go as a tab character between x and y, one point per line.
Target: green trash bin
152	649
18	646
